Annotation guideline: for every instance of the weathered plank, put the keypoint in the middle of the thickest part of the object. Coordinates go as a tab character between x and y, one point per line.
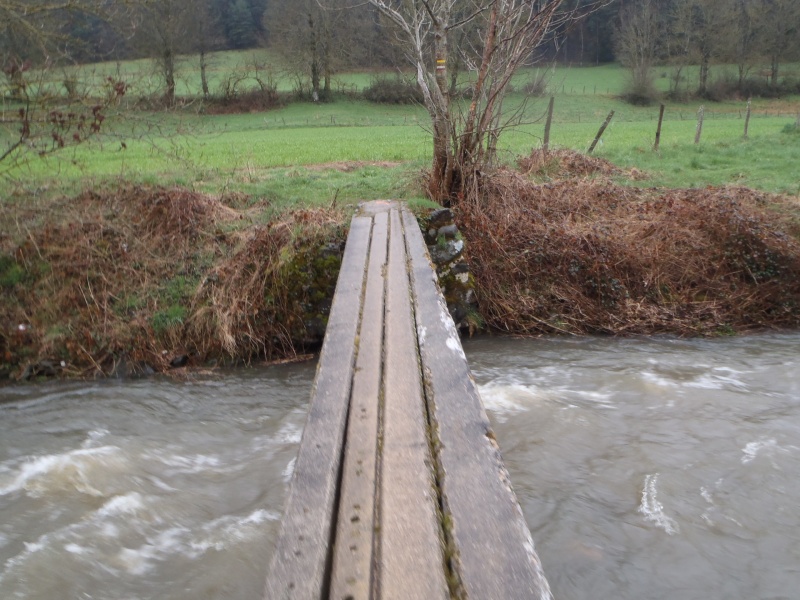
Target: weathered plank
397	460
494	557
300	564
353	551
411	559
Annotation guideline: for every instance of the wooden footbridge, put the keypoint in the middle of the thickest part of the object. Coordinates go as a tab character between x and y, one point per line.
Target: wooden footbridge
399	490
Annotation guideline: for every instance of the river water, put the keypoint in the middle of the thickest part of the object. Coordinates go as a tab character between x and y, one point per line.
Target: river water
646	468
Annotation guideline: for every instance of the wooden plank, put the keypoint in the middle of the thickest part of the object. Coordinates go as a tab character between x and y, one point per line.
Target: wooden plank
300	563
411	548
494	556
353	551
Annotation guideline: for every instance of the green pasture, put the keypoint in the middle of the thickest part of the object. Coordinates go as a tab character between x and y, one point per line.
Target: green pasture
350	150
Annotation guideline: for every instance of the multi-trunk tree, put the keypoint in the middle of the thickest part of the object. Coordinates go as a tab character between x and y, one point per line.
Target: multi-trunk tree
465	133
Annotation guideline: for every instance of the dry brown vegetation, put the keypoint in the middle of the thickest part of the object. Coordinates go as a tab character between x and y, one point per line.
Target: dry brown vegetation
142	278
145	278
582	254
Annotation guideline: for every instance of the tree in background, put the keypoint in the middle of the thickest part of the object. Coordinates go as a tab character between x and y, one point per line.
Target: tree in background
318	39
778	27
240	28
164	31
638	43
744	37
204	27
305	41
240	21
702	26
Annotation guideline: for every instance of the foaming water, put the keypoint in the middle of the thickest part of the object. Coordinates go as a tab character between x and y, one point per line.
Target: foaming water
653	468
646	468
146	489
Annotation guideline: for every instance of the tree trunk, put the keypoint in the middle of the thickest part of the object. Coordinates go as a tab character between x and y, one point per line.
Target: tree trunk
773	72
169	77
443	173
315	66
315	78
203	73
704	68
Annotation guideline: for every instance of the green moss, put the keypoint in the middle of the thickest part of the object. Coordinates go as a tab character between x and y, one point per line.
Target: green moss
309	272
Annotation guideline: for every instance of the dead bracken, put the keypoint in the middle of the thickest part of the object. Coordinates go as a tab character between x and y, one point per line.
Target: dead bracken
148	278
582	254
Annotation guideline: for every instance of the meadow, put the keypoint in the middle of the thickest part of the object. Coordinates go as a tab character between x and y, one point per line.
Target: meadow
349	149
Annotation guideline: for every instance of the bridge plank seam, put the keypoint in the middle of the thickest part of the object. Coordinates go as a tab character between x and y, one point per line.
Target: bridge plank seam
493	554
302	559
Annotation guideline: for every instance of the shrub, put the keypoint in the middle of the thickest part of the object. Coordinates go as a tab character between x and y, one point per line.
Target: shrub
11	273
641	94
393	90
537	86
728	87
792	128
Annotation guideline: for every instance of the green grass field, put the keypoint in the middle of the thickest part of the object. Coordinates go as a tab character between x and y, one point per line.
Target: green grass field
351	150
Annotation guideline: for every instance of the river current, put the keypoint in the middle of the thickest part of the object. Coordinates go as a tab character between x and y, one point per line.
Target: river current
646	468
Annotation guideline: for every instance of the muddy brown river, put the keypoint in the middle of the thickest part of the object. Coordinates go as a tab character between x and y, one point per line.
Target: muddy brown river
646	468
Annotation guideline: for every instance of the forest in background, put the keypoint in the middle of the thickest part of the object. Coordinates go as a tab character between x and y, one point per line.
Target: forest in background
316	40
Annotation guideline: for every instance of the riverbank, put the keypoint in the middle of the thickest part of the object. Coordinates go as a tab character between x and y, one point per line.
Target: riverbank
135	279
144	279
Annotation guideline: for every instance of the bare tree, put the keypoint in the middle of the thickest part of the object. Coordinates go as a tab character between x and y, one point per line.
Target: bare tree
778	23
703	30
744	37
317	39
163	29
465	142
638	41
204	30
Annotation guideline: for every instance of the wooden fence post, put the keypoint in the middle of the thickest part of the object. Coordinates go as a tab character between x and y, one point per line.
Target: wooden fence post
747	118
600	133
548	123
699	130
658	130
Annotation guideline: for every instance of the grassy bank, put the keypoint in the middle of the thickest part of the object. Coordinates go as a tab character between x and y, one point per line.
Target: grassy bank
186	237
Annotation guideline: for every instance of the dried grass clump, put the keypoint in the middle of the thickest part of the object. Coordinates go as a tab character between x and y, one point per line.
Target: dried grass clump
590	256
252	303
564	164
